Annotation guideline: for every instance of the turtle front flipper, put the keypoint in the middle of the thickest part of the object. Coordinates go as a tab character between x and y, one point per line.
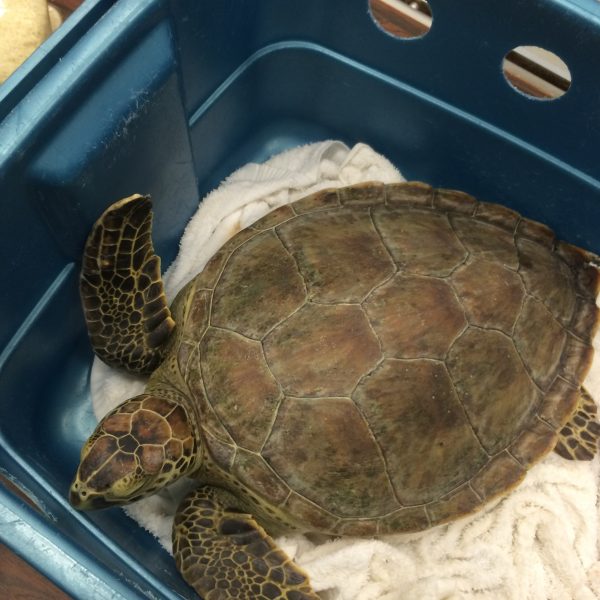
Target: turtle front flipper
125	307
223	553
578	439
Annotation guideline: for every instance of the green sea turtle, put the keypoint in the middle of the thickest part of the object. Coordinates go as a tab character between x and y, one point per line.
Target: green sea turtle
367	360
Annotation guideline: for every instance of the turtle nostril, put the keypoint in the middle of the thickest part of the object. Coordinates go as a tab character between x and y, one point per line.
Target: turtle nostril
77	494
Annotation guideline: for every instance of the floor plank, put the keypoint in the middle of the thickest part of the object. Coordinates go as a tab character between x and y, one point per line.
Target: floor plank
20	581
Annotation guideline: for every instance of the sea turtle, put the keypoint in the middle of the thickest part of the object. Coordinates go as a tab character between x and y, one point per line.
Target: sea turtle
367	360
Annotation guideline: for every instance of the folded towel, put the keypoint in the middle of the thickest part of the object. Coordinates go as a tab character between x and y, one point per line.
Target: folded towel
540	542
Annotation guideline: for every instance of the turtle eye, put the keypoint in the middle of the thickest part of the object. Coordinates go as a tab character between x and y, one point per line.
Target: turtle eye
126	487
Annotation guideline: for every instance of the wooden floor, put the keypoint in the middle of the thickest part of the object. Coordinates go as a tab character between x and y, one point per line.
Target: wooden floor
19	581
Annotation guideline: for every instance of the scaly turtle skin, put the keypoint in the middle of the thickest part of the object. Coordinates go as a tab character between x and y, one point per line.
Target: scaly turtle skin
368	360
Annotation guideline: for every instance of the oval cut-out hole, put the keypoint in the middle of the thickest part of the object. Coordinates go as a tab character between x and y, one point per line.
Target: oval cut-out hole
536	72
406	19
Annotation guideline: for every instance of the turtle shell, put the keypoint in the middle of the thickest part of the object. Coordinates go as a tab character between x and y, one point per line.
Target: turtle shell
384	358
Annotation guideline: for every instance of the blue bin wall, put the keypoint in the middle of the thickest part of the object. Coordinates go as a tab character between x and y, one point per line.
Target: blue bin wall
168	97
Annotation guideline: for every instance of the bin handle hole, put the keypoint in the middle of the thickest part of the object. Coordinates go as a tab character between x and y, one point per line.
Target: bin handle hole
536	72
404	19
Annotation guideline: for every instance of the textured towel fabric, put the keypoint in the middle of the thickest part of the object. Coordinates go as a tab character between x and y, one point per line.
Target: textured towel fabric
540	542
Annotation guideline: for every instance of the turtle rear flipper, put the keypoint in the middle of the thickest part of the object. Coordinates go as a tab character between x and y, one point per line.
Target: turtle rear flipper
224	554
125	307
578	439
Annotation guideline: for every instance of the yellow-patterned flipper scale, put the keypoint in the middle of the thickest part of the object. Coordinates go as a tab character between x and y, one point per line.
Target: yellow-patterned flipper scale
224	554
579	438
125	307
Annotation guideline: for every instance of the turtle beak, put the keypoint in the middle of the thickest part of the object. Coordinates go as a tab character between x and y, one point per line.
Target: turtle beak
75	498
83	499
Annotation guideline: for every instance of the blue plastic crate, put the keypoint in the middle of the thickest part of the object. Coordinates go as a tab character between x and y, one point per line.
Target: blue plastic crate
167	97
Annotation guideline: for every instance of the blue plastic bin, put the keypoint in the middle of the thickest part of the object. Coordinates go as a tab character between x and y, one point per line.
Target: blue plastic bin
167	97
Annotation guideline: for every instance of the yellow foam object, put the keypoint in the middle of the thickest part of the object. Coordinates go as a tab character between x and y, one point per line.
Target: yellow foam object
24	25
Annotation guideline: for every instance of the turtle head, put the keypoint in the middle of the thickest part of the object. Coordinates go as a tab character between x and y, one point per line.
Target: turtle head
140	447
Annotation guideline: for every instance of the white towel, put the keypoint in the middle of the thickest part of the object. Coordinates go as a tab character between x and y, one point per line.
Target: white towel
538	543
